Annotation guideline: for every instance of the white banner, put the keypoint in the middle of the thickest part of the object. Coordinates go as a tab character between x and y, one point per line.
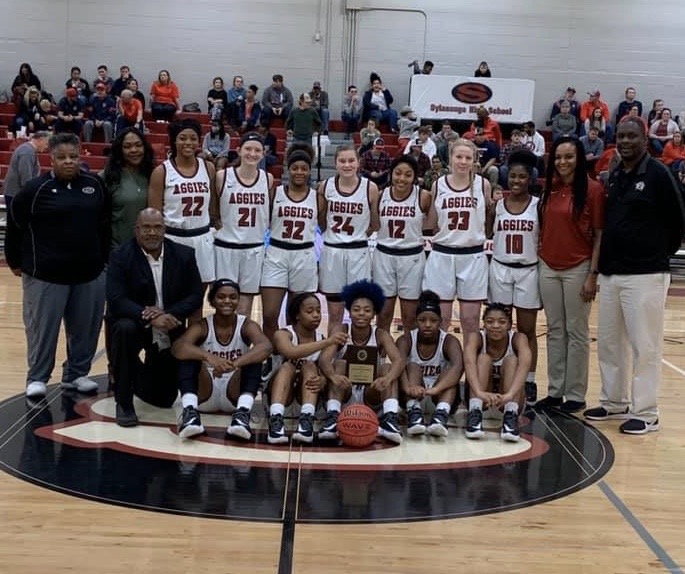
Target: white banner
509	101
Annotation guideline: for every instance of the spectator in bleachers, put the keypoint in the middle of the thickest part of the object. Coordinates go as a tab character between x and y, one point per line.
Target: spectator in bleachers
423	162
515	144
270	142
79	84
320	104
129	112
634	112
674	153
442	140
570	97
216	145
277	100
625	106
426	69
587	108
655	112
137	94
250	113
488	156
121	83
23	81
483	70
377	104
165	98
375	163
351	110
28	112
422	135
661	131
490	126
24	165
101	114
596	120
127	176
217	100
594	148
70	113
564	123
436	171
236	98
533	140
303	120
368	135
407	124
104	78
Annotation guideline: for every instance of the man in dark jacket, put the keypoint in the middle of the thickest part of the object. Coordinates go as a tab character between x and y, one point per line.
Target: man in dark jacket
153	286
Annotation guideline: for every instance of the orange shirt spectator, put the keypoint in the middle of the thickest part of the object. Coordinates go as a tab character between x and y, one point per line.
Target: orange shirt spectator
164	93
130	109
594	102
674	150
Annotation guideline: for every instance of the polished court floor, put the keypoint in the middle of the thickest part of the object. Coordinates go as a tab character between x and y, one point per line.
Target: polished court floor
79	492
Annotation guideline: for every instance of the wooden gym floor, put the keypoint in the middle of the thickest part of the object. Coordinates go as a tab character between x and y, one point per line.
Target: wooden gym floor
79	493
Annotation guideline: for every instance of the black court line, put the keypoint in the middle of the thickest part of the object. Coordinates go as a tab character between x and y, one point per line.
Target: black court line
290	499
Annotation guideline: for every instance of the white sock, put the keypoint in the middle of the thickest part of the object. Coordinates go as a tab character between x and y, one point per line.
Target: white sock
443	406
189	400
475	404
530	377
511	406
333	405
277	409
391	406
245	401
411	403
308	409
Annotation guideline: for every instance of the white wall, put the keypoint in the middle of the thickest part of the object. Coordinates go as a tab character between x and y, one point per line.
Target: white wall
586	44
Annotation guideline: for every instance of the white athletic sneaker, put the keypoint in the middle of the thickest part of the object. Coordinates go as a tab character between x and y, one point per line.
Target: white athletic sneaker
81	384
36	389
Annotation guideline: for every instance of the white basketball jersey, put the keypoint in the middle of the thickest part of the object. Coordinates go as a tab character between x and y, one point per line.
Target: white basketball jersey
312	356
244	209
515	238
401	221
348	216
497	362
461	214
186	199
432	366
294	221
370	343
232	349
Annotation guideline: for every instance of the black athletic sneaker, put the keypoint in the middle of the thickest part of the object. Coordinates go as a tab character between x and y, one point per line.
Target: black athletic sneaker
637	426
305	428
531	390
390	428
189	423
474	424
329	427
601	414
125	415
438	426
415	422
571	407
549	403
276	430
240	425
510	427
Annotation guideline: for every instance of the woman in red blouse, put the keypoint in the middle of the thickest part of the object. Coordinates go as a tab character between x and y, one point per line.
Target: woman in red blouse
165	98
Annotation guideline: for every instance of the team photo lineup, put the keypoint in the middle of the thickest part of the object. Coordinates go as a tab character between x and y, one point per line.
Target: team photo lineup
137	250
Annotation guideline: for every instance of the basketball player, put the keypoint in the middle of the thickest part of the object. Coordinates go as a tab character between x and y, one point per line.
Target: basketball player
514	227
182	188
232	348
398	260
363	300
497	360
300	343
348	214
457	263
434	367
243	205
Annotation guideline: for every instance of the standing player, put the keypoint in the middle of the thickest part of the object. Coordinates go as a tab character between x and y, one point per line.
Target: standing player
182	188
300	343
515	230
363	299
457	264
348	213
496	360
398	260
232	348
434	367
243	205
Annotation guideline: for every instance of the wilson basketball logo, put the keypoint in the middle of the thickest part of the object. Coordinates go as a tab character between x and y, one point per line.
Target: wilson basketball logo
471	93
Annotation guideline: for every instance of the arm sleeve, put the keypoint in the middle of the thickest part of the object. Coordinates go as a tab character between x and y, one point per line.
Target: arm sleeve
17	219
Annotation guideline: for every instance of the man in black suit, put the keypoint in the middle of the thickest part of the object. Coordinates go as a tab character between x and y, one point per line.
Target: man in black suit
153	286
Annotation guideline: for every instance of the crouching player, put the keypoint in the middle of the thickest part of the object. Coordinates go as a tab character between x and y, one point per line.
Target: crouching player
497	360
363	300
434	367
300	343
222	355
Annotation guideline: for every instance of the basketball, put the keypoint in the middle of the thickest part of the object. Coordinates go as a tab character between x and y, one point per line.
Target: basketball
357	426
